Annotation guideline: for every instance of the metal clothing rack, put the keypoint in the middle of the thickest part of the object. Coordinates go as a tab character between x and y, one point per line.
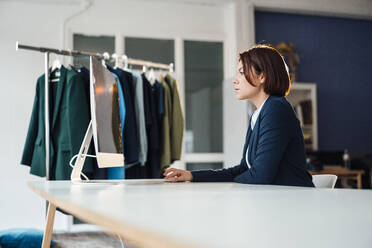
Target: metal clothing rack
125	60
104	56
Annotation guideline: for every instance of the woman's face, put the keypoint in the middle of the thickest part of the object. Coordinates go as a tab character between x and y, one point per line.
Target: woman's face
245	90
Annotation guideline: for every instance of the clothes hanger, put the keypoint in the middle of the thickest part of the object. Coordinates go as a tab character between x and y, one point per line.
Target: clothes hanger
125	62
72	66
106	56
78	64
56	65
117	62
152	77
171	70
69	61
161	77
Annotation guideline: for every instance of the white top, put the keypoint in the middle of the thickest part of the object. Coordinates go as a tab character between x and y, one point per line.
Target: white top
253	122
216	215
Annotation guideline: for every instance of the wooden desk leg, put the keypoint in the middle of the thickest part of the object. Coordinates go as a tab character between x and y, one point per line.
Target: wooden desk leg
359	181
47	238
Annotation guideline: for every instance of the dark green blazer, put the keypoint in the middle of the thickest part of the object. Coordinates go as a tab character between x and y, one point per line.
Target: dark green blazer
69	118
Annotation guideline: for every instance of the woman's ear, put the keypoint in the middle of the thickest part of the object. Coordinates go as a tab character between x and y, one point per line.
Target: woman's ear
262	78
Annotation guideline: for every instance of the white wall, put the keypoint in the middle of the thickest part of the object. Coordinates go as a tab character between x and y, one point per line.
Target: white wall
19	71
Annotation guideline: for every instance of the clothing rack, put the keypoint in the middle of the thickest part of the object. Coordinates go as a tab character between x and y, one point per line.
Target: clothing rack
125	60
104	56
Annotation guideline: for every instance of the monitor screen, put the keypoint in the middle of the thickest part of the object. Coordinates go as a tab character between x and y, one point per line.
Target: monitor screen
105	116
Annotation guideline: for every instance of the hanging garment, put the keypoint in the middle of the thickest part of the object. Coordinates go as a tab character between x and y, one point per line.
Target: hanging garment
139	171
176	119
165	157
116	120
119	112
69	119
159	93
130	139
85	76
153	136
140	117
136	171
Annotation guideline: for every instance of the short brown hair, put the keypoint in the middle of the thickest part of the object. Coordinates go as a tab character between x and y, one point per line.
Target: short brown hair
267	60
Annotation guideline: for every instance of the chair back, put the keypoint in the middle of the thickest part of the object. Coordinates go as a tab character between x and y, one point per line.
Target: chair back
324	181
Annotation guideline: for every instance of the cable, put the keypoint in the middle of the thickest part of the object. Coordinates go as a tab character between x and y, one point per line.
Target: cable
72	165
121	241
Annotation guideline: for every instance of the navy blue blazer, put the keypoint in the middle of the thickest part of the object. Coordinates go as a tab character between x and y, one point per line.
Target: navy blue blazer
276	151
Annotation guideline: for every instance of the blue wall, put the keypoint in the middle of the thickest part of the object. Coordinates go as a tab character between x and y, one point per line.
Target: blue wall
336	54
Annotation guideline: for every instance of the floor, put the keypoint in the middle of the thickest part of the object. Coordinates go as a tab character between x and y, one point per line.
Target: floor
86	239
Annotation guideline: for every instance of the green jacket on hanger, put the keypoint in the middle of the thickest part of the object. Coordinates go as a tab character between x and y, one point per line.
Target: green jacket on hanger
69	118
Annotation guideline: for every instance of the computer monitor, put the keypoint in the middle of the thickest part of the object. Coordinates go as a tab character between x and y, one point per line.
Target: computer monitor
104	127
105	121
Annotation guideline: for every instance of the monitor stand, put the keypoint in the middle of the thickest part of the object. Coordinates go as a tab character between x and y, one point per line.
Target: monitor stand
79	162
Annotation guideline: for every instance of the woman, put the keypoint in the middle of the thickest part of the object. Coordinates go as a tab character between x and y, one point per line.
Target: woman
274	150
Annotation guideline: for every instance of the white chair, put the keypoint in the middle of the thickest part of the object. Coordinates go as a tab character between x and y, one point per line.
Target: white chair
324	181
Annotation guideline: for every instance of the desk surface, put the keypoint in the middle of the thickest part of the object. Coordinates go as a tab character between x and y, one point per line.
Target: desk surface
154	213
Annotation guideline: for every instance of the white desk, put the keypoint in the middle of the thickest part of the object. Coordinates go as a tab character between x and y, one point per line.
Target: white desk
154	213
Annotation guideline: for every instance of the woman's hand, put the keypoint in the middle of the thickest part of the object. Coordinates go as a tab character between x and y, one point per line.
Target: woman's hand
178	175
